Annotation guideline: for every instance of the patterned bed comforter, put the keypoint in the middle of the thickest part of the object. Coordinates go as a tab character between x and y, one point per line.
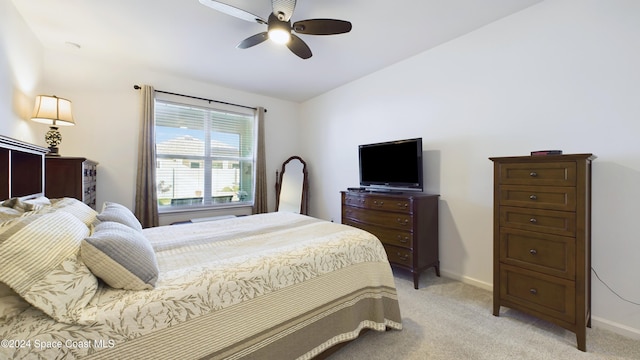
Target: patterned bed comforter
275	285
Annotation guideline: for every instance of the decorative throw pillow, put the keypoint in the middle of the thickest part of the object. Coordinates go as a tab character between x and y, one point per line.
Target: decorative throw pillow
74	207
119	213
40	261
121	256
11	304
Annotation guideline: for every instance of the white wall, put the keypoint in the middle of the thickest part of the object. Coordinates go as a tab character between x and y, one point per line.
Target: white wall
107	114
560	75
20	73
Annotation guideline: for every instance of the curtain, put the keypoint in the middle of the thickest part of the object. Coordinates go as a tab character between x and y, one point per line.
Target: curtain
146	207
260	199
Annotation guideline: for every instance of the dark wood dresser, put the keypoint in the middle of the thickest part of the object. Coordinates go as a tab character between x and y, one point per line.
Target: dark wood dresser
71	177
405	223
542	238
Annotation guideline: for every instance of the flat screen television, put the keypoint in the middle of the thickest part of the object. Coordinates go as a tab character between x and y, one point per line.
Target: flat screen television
392	165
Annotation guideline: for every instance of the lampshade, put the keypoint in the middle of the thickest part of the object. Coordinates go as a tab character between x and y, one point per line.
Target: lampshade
53	110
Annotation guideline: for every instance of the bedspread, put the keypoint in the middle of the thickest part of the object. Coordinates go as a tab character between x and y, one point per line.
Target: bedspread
259	286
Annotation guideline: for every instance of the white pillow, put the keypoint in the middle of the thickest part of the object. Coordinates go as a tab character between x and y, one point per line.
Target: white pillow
39	201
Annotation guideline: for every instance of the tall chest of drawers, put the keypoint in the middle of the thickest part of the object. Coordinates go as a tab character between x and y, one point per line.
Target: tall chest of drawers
71	177
405	223
542	238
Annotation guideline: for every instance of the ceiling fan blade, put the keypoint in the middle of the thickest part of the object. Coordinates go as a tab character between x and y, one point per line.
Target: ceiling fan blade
284	7
253	40
299	47
233	11
322	26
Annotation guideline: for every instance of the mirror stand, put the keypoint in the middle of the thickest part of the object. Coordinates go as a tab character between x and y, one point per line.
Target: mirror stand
292	188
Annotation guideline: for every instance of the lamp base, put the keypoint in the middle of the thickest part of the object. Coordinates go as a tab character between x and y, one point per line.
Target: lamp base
53	151
53	139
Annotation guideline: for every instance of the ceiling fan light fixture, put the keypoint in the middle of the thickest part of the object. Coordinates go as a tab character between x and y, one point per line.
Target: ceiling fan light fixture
279	36
279	31
279	26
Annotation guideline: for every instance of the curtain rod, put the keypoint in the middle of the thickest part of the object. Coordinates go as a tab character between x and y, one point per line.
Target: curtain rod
137	87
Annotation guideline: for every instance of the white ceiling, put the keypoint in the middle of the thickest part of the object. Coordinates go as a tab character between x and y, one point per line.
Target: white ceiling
187	39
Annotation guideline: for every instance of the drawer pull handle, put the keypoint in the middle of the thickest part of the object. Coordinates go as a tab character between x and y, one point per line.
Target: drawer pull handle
403	205
403	257
375	202
533	220
403	222
533	252
403	240
533	291
533	197
533	174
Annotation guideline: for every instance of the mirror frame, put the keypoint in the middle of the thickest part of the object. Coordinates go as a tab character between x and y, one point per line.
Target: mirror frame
304	203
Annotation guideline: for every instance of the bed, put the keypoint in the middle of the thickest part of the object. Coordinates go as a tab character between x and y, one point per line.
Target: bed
76	283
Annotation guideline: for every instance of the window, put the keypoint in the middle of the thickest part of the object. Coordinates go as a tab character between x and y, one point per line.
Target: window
205	156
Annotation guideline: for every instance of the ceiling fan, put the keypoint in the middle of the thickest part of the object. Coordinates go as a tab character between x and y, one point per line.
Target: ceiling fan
279	26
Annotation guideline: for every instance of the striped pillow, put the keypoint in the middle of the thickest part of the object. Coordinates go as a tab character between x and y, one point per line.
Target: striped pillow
7	213
121	256
72	206
119	213
39	257
76	208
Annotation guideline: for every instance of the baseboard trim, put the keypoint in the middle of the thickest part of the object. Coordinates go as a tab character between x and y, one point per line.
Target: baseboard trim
467	280
597	322
615	327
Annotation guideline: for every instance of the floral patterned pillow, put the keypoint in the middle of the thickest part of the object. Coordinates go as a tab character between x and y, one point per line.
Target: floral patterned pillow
40	261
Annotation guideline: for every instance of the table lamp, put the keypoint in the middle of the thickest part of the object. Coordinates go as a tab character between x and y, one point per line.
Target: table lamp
55	112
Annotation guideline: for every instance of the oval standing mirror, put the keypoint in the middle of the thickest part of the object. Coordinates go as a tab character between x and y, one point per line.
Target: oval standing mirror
291	186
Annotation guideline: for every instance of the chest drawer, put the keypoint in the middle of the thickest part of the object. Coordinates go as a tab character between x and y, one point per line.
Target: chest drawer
378	203
539	174
397	237
398	255
549	254
545	294
383	219
539	197
546	221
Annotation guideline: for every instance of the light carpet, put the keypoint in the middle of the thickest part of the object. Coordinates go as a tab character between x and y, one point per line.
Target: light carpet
447	319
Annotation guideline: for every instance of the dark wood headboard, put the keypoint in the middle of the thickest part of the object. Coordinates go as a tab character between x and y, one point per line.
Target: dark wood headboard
21	169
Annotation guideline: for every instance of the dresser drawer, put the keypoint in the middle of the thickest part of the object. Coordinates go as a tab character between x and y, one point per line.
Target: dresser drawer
539	173
546	221
545	294
384	219
550	254
539	197
384	203
398	255
396	237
